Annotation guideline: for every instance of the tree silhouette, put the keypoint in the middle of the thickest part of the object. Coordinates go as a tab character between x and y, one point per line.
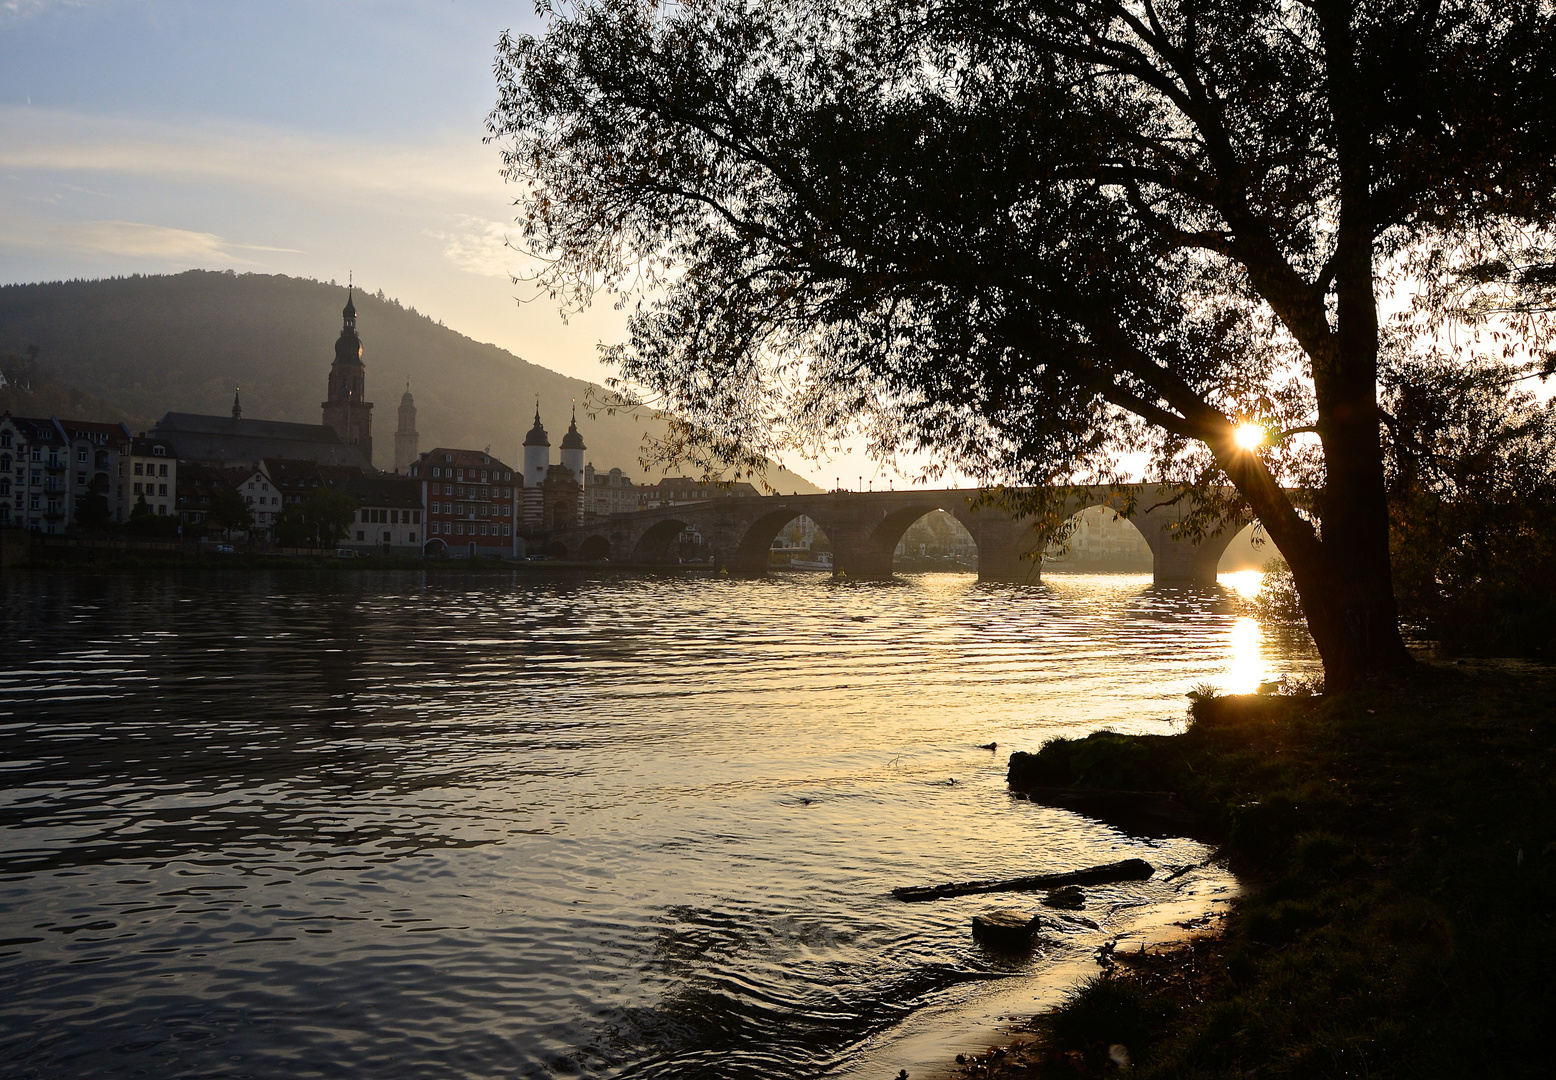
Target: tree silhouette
1036	236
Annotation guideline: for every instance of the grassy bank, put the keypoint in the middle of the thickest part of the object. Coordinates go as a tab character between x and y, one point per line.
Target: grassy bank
1401	843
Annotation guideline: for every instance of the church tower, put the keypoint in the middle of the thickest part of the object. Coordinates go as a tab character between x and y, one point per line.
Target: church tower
573	449
537	459
573	461
347	410
406	439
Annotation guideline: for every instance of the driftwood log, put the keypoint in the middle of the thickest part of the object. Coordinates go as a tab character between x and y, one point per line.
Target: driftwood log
1128	870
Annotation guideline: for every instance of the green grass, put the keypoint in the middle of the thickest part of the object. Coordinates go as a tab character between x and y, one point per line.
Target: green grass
1401	842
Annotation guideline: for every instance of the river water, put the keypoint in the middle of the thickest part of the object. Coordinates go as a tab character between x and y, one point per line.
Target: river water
423	825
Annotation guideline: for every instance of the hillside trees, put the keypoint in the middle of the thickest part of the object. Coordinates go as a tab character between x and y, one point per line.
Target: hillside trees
1036	236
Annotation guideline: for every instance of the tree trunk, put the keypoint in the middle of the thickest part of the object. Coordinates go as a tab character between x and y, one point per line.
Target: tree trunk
1344	577
1347	584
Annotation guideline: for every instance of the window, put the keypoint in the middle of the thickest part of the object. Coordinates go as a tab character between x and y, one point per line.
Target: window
5	439
507	530
81	455
361	535
5	463
81	478
158	451
37	453
459	526
483	530
448	457
507	475
412	537
32	503
436	471
161	470
5	485
137	487
140	470
162	507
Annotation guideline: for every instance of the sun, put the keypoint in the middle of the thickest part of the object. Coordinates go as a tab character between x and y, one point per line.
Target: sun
1248	436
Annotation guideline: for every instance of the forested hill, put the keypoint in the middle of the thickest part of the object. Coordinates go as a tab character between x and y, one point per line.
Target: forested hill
183	342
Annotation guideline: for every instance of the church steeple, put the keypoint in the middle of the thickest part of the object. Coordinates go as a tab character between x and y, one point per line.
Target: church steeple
346	408
237	406
406	438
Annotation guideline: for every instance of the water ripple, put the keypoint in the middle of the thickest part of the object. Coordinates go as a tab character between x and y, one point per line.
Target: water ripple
408	826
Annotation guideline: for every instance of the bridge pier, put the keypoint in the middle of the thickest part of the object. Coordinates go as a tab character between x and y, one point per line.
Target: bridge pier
1003	543
1175	560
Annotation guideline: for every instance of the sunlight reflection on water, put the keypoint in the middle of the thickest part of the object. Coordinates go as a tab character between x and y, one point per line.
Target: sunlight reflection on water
411	824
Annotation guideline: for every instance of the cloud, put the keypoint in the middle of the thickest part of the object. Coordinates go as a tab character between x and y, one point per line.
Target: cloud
481	247
134	239
21	9
237	155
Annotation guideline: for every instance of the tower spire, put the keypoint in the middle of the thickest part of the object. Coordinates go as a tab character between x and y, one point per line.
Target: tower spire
237	406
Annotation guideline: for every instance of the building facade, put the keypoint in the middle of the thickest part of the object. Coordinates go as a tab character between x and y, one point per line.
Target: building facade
199	486
676	490
388	518
34	474
346	409
259	494
609	493
471	501
151	474
95	450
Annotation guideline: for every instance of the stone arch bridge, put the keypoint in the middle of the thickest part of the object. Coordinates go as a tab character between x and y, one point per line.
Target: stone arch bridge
864	528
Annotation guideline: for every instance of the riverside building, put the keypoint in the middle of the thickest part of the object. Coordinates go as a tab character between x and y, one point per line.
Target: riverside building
471	499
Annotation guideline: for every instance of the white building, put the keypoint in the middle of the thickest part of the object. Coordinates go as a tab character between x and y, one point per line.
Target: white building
259	494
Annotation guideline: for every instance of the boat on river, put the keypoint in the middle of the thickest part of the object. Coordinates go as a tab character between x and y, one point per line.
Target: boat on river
822	561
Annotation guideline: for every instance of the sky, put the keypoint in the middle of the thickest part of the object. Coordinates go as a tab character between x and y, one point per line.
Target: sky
320	139
325	139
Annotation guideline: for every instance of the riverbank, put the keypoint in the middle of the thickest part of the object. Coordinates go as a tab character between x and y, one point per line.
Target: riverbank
1401	842
146	558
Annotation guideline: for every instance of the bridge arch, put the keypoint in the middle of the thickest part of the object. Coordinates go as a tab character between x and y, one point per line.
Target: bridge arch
660	541
752	552
1243	552
875	556
595	548
1097	536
